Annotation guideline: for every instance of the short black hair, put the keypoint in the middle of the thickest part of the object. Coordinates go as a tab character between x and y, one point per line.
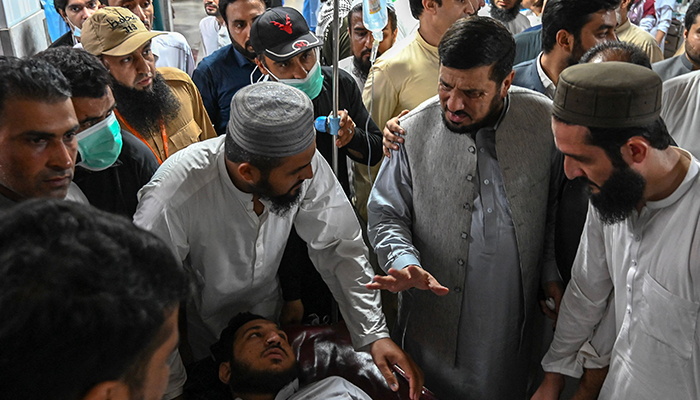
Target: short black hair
571	16
237	154
417	7
473	42
223	349
612	139
391	13
86	74
626	52
30	79
60	5
691	14
84	296
223	4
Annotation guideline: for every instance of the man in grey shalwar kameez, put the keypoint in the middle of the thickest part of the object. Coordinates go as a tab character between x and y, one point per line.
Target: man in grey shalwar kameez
467	200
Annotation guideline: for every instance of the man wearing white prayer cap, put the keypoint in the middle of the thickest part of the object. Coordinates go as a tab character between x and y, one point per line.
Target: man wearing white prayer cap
226	207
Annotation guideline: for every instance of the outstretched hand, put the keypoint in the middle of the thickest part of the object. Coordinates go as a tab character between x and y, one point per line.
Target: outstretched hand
412	276
385	354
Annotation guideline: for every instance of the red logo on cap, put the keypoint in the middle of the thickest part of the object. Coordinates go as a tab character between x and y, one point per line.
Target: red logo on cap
287	27
300	44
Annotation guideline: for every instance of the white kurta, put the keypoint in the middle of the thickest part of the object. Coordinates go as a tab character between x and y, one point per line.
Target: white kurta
212	35
172	50
679	109
651	261
519	24
233	254
331	388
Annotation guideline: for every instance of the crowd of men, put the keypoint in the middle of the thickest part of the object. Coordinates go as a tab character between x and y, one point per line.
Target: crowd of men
155	216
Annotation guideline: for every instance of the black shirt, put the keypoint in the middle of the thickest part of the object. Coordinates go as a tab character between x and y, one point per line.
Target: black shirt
350	99
65	40
114	189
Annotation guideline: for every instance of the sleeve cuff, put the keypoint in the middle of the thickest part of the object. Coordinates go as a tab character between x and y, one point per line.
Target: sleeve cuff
591	359
363	344
404	261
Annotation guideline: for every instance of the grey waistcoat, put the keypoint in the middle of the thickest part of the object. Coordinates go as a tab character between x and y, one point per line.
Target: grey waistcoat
440	161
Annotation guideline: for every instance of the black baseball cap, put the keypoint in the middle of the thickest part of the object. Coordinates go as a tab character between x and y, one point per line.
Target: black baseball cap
282	33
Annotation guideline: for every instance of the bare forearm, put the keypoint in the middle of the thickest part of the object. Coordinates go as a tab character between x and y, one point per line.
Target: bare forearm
590	384
660	37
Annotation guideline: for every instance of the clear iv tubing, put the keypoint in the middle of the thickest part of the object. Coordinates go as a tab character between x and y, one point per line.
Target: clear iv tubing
372	58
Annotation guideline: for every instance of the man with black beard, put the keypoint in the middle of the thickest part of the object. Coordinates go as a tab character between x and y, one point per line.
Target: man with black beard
212	30
569	29
508	13
226	207
639	249
361	41
257	362
161	107
468	201
220	75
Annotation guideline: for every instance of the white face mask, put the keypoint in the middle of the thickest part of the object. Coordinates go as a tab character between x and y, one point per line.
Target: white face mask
262	78
75	29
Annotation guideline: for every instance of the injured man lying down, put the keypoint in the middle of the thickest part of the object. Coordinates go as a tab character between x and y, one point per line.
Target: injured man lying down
257	362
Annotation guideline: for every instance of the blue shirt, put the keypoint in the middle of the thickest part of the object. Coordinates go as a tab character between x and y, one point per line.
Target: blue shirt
218	77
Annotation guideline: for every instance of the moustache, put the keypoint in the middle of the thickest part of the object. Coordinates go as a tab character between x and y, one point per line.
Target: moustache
273	346
459	113
588	182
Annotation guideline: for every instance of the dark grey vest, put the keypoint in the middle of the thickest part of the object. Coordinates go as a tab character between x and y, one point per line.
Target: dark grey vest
440	162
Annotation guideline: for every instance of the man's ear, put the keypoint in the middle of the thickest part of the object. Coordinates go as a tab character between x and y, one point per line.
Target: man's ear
261	66
507	81
104	62
249	173
565	40
430	6
625	4
636	149
63	15
108	390
225	372
394	35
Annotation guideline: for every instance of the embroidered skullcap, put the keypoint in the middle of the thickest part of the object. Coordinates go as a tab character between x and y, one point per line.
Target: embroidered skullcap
271	119
608	95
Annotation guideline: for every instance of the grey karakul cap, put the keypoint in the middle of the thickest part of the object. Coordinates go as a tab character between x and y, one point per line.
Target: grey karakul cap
608	95
272	119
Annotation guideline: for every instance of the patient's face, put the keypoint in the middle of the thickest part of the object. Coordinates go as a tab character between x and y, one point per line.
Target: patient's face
262	346
262	362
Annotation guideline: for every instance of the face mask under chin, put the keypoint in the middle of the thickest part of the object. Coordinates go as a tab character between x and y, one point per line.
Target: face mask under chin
311	84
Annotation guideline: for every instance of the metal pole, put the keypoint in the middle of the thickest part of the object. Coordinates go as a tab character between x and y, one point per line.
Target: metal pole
336	56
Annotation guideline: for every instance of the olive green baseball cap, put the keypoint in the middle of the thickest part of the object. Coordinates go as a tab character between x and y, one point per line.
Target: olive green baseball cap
608	95
114	31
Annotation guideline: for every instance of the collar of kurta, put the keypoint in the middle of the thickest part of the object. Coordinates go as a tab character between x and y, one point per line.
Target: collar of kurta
683	188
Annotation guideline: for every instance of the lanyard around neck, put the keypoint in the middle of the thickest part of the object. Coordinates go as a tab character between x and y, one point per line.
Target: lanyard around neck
138	135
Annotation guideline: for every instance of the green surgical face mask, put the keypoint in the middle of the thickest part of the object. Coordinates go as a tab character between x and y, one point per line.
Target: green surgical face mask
100	145
311	85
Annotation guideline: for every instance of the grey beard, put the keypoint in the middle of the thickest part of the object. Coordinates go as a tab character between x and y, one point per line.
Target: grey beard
503	15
